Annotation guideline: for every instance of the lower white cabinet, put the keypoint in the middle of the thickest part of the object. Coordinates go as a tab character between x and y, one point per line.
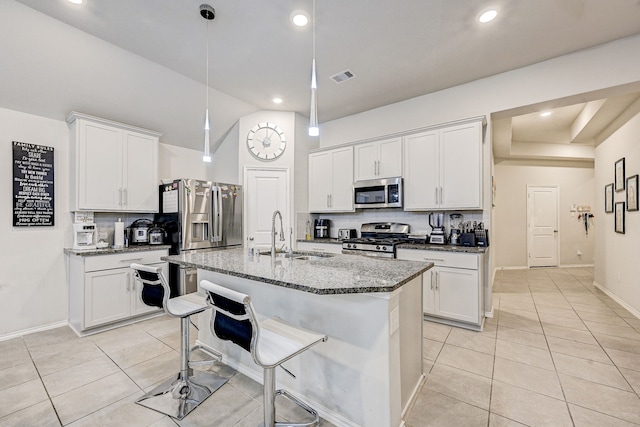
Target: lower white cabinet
104	291
311	246
452	289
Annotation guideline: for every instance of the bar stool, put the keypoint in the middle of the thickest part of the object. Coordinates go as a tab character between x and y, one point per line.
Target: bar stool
177	396
270	342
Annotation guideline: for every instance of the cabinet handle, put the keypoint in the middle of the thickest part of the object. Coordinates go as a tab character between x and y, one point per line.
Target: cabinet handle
433	275
441	196
437	280
120	196
433	259
130	260
125	197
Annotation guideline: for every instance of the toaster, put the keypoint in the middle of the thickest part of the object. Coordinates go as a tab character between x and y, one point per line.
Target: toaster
347	233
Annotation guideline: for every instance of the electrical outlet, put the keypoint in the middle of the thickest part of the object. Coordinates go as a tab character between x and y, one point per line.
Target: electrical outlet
579	253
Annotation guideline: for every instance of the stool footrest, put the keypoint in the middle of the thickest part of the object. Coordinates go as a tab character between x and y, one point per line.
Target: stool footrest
214	356
301	404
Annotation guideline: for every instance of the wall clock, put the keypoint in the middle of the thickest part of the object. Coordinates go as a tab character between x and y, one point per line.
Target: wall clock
266	141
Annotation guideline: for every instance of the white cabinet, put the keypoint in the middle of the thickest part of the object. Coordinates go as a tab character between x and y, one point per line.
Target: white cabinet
378	159
443	168
103	289
452	289
311	246
114	166
331	180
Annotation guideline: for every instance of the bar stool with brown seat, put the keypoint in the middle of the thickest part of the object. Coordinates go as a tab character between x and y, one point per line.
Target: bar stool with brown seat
177	396
270	342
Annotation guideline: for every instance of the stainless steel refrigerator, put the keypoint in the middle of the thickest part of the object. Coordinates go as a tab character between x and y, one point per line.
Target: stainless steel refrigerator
197	216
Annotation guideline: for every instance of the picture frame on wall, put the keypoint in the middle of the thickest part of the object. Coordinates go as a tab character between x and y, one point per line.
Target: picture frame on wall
619	222
608	198
619	175
632	193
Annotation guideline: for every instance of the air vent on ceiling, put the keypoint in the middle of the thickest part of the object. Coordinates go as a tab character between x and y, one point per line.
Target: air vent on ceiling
342	76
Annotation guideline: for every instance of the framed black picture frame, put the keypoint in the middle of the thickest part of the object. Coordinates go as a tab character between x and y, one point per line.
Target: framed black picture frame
632	193
619	175
619	215
608	198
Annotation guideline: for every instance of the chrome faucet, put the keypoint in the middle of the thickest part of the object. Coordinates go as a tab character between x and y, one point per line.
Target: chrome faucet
273	233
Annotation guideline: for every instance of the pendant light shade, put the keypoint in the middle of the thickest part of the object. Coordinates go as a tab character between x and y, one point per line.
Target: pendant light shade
314	130
208	13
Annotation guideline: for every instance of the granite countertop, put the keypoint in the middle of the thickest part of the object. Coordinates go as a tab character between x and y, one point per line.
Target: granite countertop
447	248
328	274
110	250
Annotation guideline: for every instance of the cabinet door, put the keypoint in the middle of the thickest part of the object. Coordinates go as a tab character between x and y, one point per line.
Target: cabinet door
429	291
140	172
106	296
461	174
390	158
458	294
341	199
366	158
311	246
135	287
421	171
320	175
99	162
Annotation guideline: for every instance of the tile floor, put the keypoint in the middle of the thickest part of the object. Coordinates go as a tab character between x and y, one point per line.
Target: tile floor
557	352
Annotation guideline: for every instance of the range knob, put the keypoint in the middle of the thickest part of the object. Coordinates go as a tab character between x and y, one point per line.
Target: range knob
384	248
378	247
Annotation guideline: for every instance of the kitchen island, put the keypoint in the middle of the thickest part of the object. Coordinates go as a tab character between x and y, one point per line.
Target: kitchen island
370	369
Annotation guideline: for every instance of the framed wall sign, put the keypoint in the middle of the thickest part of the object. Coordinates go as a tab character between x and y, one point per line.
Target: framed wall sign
619	217
619	174
608	198
33	185
632	193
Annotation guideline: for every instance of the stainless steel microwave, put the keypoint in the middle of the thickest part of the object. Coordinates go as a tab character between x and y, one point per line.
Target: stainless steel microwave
378	193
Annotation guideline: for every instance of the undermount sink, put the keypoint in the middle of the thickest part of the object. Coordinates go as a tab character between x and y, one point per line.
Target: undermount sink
303	256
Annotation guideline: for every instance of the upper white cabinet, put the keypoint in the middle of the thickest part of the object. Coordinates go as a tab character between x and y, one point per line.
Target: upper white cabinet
114	166
378	159
331	180
443	168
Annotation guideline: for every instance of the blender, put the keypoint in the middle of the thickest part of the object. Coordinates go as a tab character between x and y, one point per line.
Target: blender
436	221
455	222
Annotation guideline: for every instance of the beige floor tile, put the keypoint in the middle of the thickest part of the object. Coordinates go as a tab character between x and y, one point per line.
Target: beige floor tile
603	318
597	309
21	396
435	331
589	370
569	334
583	417
431	349
467	360
519	322
433	409
135	350
472	340
624	359
51	338
517	313
12	353
633	377
247	386
601	398
124	412
617	343
462	385
624	313
82	401
527	377
524	406
68	379
525	354
617	331
567	322
153	370
578	349
518	305
496	420
58	357
18	374
530	339
40	414
556	311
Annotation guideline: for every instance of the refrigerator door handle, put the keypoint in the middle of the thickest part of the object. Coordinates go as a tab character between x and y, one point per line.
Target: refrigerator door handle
216	222
220	216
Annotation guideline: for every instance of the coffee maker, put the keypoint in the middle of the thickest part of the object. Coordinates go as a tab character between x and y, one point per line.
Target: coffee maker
84	236
321	229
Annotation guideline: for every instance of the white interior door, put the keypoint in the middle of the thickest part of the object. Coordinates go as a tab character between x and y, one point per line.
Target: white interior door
542	220
266	190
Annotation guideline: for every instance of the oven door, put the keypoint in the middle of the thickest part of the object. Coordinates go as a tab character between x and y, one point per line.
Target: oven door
378	193
368	253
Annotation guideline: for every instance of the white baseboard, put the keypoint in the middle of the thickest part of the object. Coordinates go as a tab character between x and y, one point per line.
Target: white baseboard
613	296
576	265
32	330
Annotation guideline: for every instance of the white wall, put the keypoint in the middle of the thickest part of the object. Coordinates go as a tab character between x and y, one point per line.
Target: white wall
178	162
576	186
617	266
33	289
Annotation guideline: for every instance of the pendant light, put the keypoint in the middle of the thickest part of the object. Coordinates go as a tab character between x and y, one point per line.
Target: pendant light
313	111
208	13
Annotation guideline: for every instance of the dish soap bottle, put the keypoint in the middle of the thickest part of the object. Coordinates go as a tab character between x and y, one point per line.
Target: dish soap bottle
307	235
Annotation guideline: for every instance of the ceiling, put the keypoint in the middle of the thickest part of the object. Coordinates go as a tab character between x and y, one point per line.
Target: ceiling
398	49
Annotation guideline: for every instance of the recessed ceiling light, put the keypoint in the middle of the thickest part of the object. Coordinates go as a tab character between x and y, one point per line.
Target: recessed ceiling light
277	100
300	18
545	114
488	16
76	1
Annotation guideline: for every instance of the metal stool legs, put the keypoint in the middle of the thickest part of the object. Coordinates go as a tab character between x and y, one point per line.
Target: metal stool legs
180	395
269	403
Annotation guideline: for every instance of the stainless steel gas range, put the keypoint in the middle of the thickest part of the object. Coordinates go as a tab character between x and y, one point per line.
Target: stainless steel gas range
377	239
